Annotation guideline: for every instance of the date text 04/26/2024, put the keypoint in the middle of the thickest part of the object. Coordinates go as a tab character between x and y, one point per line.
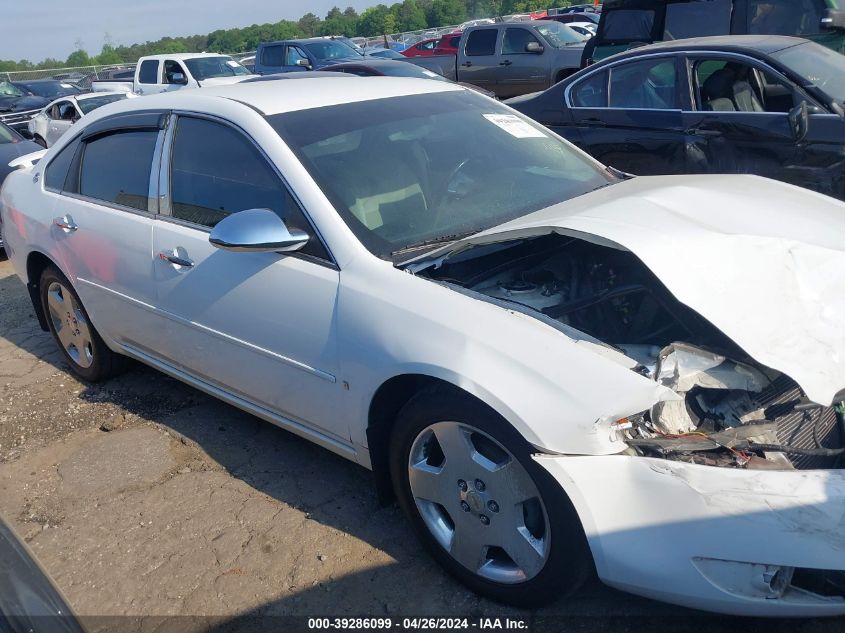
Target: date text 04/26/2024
418	624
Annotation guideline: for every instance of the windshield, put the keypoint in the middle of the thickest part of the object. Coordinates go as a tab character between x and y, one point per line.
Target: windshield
86	105
408	171
210	67
558	35
50	89
330	49
818	65
10	90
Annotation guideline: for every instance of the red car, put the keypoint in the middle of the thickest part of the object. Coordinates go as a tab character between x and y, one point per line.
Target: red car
423	48
448	44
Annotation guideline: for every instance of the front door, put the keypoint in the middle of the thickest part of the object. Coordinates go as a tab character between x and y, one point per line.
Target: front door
521	71
60	117
629	117
258	325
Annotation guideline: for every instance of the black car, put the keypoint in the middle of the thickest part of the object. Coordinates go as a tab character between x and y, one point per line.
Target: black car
765	105
17	106
47	88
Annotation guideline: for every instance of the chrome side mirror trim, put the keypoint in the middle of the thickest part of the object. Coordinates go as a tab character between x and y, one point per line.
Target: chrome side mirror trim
257	231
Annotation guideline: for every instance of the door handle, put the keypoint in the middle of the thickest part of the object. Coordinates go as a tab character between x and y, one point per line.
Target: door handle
507	62
467	64
65	223
701	132
172	258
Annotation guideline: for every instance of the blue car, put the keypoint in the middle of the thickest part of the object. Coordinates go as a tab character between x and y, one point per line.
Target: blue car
303	54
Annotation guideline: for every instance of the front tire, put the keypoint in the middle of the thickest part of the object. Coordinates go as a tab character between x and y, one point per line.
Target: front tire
482	507
78	340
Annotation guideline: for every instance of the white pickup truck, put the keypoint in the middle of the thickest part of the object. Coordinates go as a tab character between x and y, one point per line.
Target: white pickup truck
164	73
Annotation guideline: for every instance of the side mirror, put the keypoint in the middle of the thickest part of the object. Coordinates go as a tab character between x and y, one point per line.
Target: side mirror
256	231
533	47
799	121
177	78
304	63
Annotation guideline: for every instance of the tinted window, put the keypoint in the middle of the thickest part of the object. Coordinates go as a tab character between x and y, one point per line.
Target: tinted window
273	55
698	18
591	93
516	40
215	171
56	172
149	72
116	168
86	105
645	85
784	17
627	25
482	42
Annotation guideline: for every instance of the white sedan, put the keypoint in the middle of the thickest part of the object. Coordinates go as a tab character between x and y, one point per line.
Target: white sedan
553	366
48	125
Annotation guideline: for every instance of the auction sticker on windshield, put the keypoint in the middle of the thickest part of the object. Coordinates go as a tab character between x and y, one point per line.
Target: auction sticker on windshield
514	126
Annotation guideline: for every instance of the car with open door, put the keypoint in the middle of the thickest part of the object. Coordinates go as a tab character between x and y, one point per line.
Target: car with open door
752	104
553	367
47	126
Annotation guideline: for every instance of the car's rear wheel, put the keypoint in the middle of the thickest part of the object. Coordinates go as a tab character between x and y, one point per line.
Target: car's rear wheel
78	340
486	511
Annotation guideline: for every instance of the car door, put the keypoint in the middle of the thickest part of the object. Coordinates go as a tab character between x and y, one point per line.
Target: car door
522	70
628	116
260	326
148	78
63	115
479	63
104	210
295	59
172	69
739	122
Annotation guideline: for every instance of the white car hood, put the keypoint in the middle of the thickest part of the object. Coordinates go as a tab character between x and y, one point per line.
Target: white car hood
224	81
761	260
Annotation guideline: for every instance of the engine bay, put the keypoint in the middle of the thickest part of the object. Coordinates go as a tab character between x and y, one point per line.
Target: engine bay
734	412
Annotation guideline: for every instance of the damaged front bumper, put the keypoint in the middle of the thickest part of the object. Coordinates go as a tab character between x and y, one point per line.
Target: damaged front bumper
759	543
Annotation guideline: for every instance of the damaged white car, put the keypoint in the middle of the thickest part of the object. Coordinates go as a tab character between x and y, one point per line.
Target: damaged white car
552	366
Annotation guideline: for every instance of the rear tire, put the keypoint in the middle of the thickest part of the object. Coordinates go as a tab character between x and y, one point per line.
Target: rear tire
491	507
77	338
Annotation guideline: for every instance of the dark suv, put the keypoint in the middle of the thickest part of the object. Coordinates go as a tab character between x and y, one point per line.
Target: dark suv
628	23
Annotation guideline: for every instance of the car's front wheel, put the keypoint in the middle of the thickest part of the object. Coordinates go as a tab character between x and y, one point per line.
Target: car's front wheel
486	511
78	340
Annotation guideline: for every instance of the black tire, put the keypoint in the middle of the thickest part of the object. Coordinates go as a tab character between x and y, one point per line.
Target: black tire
569	562
103	362
40	141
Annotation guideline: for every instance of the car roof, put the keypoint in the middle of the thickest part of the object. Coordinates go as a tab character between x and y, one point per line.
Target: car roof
268	98
765	44
180	56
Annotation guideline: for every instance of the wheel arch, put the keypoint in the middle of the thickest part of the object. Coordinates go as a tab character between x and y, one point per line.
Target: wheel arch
36	263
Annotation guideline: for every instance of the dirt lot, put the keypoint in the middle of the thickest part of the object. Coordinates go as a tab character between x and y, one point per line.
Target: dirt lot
143	497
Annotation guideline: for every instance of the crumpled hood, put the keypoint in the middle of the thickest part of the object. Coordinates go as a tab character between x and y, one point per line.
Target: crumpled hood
22	104
225	81
761	260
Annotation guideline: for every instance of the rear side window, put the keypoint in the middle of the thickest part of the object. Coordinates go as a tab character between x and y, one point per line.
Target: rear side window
56	172
273	55
592	92
481	42
698	19
215	171
148	74
648	85
116	168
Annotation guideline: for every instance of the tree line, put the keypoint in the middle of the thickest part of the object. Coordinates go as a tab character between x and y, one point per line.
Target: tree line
408	15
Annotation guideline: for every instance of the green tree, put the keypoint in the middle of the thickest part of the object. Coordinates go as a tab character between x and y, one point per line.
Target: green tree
108	55
446	13
79	58
410	16
371	22
309	24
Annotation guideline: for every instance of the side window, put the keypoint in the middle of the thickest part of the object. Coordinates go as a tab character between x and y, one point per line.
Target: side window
427	46
293	55
591	92
516	40
647	85
65	111
697	19
273	55
148	74
728	86
481	42
215	171
55	174
172	68
456	41
784	17
116	168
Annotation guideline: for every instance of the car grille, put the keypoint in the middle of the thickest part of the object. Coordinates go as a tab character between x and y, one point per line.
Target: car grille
801	429
16	119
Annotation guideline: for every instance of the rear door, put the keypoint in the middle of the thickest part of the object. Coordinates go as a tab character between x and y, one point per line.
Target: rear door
521	71
478	61
629	115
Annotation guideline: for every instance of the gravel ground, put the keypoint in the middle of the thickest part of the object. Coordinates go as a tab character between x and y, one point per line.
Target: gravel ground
145	499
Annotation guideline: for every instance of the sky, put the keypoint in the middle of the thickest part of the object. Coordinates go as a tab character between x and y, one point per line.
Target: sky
36	29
